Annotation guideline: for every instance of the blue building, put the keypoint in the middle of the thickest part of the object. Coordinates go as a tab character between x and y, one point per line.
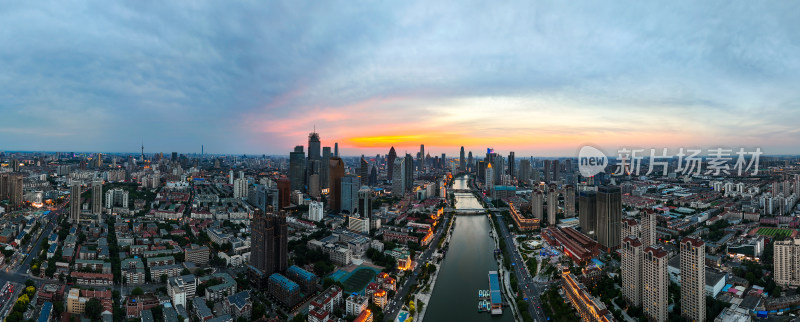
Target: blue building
46	313
350	186
307	280
284	290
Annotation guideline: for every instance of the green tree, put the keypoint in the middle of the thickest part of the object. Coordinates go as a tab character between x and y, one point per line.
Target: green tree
164	278
137	291
94	308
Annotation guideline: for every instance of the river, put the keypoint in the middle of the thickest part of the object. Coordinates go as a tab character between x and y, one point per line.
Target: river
465	268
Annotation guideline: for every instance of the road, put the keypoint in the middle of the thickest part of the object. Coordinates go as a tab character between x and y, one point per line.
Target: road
531	290
391	311
20	275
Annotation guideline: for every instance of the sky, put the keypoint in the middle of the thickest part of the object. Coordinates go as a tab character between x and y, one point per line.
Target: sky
541	78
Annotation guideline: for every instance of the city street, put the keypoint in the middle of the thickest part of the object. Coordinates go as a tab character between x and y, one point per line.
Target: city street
391	311
530	289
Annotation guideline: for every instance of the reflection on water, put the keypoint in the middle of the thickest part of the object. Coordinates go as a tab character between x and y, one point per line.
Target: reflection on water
465	268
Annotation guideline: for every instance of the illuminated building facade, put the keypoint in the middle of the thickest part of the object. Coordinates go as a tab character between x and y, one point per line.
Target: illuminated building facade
590	308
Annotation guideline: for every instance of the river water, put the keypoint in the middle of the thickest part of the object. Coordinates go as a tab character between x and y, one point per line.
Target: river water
465	268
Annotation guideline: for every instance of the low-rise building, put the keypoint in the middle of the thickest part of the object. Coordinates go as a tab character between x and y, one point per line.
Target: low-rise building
355	304
238	305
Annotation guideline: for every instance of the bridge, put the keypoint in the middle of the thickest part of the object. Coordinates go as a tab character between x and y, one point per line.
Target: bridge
465	212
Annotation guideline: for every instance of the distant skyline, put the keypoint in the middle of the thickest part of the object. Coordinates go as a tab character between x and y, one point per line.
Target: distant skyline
539	78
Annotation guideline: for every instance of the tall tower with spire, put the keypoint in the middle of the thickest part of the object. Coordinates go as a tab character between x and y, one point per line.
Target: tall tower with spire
390	163
142	151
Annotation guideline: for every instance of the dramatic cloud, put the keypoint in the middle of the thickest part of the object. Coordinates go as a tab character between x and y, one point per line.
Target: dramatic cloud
541	78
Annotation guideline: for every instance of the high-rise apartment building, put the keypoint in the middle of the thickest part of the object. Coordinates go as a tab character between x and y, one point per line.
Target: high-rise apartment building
546	173
569	201
524	173
648	227
75	203
11	186
97	198
630	227
552	204
336	166
587	213
609	215
786	262
537	204
655	283
297	164
631	270
269	250
693	279
556	169
116	197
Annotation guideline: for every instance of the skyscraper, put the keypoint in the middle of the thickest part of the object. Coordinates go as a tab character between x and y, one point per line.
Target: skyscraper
269	244
537	204
655	283
325	170
363	172
462	162
97	198
284	192
631	270
470	162
336	166
569	201
365	202
350	186
409	173
421	160
11	186
556	169
390	164
489	177
512	165
398	177
75	203
336	149
587	209
524	173
546	173
693	279
313	146
297	167
552	204
609	215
